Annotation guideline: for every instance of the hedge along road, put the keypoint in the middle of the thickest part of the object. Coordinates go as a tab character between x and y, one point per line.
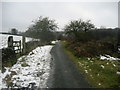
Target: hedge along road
65	74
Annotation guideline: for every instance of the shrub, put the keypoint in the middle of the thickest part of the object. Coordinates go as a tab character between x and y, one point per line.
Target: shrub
8	54
91	48
24	64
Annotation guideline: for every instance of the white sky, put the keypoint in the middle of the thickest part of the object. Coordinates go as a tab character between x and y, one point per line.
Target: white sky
20	15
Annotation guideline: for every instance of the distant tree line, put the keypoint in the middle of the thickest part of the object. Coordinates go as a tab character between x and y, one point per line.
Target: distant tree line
84	31
45	29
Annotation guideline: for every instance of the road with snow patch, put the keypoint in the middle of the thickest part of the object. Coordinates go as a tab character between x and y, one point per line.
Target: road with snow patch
65	74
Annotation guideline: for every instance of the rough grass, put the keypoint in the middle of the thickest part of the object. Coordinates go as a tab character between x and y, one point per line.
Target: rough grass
8	79
24	64
8	64
92	48
99	73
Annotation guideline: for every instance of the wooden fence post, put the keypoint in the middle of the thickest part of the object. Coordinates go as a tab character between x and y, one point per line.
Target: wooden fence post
24	45
10	42
20	47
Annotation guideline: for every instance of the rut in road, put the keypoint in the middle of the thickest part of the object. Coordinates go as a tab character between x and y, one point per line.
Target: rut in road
66	74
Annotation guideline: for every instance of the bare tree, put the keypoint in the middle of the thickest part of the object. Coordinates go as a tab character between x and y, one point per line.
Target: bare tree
78	26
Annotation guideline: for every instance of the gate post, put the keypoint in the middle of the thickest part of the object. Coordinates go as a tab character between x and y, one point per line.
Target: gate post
24	45
10	42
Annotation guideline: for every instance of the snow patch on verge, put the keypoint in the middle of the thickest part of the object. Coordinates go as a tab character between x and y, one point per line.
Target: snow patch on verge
108	57
33	68
54	42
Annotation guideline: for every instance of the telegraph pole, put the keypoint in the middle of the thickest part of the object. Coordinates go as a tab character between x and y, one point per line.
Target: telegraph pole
118	39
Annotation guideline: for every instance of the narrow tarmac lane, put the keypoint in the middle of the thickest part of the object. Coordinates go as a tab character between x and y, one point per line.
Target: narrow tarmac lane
66	74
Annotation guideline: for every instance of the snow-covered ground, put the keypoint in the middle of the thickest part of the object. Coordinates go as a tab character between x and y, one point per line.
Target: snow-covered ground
54	42
32	68
4	39
108	57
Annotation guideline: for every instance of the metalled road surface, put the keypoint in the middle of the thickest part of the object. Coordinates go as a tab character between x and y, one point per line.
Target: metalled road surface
66	74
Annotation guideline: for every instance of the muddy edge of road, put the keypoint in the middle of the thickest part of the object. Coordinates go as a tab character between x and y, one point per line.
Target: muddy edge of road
50	80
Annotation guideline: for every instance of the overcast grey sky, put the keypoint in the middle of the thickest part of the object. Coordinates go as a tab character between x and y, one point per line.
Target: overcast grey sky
20	15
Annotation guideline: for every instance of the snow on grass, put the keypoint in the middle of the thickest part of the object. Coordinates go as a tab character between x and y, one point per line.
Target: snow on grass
86	71
100	72
102	66
118	49
88	58
118	73
108	57
114	65
99	83
0	79
33	68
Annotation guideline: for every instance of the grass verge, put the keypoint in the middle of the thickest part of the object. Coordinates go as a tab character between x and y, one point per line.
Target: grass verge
99	73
